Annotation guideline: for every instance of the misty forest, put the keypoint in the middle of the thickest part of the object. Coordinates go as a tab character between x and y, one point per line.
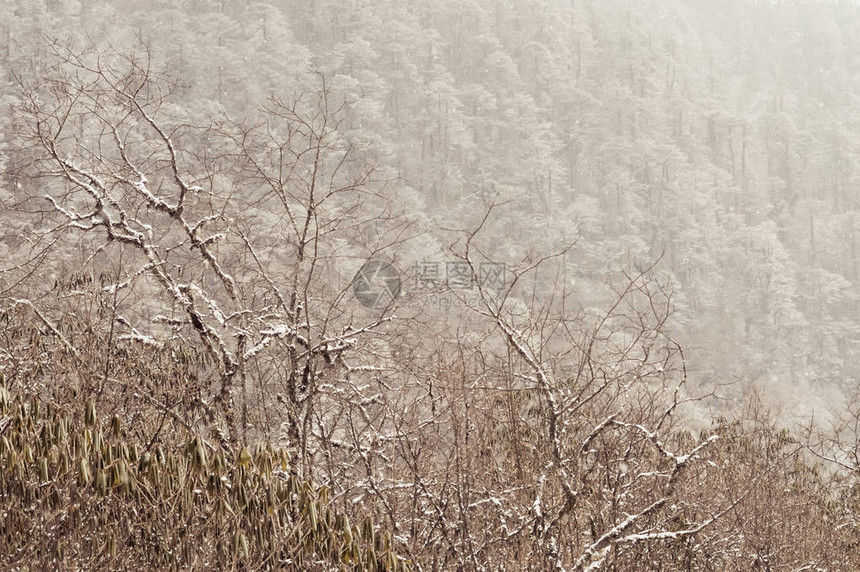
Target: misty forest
430	285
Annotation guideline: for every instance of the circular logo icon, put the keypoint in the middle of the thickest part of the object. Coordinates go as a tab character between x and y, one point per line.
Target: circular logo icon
377	284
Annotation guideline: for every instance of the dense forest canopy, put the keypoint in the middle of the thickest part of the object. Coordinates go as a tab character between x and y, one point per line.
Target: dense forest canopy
717	137
465	261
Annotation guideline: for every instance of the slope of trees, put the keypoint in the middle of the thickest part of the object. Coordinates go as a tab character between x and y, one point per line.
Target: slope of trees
189	188
720	138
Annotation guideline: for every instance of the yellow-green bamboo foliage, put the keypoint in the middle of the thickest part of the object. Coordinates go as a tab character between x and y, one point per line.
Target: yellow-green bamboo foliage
79	494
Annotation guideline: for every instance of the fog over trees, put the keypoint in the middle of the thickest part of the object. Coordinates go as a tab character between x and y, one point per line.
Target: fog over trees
467	285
